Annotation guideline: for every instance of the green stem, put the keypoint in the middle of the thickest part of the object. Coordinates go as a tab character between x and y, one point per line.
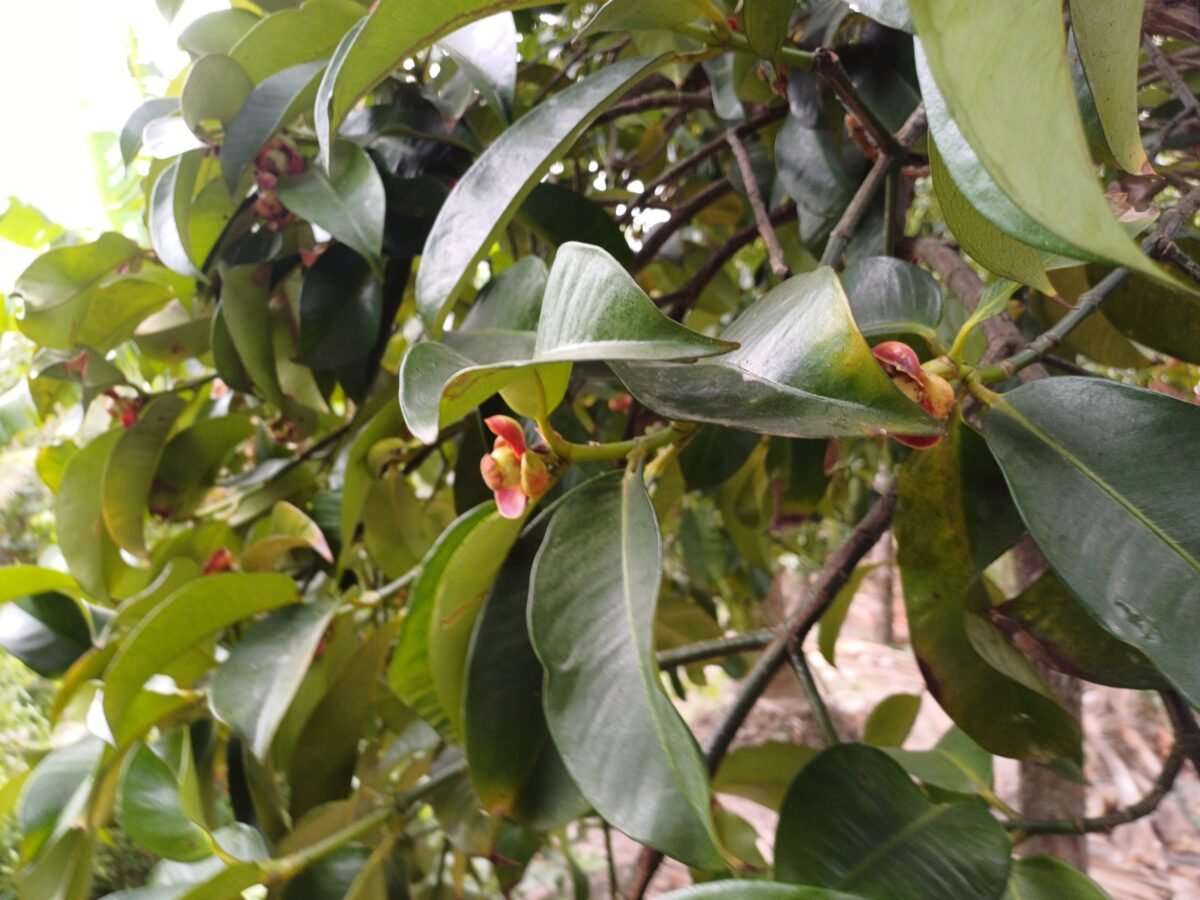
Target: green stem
703	651
812	692
797	59
608	452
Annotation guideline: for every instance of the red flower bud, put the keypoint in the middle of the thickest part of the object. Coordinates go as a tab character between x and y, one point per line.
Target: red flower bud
929	390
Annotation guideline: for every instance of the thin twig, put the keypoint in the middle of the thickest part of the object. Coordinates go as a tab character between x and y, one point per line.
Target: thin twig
843	232
680	216
685	165
1156	146
830	68
1187	732
809	684
614	885
1178	85
1173	254
761	217
838	568
705	651
657	101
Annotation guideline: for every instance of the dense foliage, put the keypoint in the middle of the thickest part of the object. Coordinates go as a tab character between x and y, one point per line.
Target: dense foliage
487	361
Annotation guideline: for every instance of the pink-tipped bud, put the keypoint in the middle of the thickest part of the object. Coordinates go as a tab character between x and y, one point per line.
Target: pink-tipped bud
508	431
535	477
501	469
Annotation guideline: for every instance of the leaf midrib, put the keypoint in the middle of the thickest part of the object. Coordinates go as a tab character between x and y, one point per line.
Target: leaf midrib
892	842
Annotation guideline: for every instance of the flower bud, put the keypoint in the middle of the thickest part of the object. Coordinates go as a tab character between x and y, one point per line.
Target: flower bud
501	468
535	477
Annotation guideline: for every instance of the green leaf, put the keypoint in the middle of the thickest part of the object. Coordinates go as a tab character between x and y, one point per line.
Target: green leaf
215	90
150	810
170	216
987	244
459	568
854	821
228	883
244	304
1108	36
766	25
1023	124
486	198
512	300
47	632
891	720
198	610
294	37
803	370
129	474
1072	473
1047	878
515	767
956	763
348	201
287	529
216	32
1072	642
397	529
714	455
358	474
891	297
131	133
762	772
831	623
993	301
282	645
90	552
326	752
593	310
635	15
755	890
394	31
486	52
1154	315
24	581
591	616
271	105
561	215
341	310
941	550
1095	337
193	459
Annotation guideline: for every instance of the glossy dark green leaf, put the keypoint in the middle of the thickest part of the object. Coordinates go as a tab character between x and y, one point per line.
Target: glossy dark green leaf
151	812
803	370
341	310
593	310
987	244
956	763
766	24
253	688
762	772
348	201
244	305
331	877
715	454
941	550
1072	642
486	52
215	90
1073	471
755	890
593	590
294	37
131	133
512	300
515	767
854	821
193	459
273	103
1108	37
891	720
196	611
1048	878
130	471
458	569
891	297
394	31
486	198
561	215
1024	127
48	632
326	751
813	171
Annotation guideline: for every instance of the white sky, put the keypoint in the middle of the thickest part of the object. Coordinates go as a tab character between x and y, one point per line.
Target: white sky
64	73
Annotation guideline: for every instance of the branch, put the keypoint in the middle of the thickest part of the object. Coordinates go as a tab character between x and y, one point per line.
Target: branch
713	147
704	651
1187	732
830	68
1173	78
843	232
656	101
680	216
687	295
765	229
838	568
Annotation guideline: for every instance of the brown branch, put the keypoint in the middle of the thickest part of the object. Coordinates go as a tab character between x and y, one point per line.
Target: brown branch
688	294
761	218
843	232
656	101
680	216
838	568
1187	732
1173	254
713	147
1174	80
829	67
